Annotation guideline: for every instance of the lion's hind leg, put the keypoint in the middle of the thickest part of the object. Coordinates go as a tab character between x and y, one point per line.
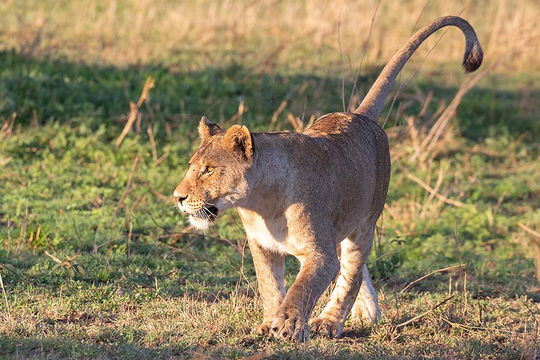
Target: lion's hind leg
366	306
354	252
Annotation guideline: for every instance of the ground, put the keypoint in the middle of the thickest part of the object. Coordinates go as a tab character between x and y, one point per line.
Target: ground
96	262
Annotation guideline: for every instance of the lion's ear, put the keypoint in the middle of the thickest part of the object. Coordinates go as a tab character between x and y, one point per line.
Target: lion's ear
238	139
207	128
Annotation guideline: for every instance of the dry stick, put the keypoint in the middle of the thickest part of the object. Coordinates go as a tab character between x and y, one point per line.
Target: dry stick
341	60
265	354
436	131
242	272
242	109
417	317
530	231
180	250
534	238
134	109
162	158
366	44
4	292
130	179
472	328
55	259
168	199
419	16
184	234
434	193
276	114
298	91
128	244
438	183
428	275
131	119
7	127
150	133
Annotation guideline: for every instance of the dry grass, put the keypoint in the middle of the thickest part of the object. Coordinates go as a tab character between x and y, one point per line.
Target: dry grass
266	33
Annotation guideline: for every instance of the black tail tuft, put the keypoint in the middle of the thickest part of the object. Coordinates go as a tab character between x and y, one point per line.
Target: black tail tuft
473	59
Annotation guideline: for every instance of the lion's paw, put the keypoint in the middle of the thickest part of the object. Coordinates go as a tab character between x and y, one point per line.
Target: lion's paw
326	327
289	326
263	329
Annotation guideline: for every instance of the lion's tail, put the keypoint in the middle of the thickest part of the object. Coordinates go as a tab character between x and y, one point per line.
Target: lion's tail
373	103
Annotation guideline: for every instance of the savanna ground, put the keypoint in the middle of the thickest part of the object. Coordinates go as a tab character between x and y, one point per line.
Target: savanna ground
95	261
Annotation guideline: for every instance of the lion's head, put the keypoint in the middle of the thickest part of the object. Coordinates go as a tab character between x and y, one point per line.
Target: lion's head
217	176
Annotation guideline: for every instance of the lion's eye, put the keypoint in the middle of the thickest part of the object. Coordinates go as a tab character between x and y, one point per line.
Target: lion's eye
208	170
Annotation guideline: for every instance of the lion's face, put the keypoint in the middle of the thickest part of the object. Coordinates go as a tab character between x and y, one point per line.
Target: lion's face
217	176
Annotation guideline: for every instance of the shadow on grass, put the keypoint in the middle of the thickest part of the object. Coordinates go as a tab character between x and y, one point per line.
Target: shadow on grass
44	90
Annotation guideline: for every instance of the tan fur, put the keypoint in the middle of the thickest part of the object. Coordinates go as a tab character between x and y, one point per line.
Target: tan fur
315	195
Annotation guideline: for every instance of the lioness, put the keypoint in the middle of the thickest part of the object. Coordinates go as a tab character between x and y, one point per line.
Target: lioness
316	195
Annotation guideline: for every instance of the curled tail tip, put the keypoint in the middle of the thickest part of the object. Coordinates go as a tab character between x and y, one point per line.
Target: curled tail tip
473	59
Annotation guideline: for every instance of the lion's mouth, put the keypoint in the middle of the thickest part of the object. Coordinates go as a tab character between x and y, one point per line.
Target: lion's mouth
204	218
207	213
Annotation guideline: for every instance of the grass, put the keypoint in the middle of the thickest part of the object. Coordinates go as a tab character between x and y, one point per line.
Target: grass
95	263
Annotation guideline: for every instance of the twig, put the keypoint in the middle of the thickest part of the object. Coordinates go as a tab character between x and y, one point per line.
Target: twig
341	60
150	133
530	231
187	234
419	16
265	354
134	110
417	317
364	52
242	252
55	259
428	275
77	231
242	108
534	238
432	191
7	127
437	129
276	114
128	244
168	199
134	167
4	292
182	250
97	247
472	328
162	158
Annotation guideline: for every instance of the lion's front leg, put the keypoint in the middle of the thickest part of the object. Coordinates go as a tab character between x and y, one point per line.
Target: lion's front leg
269	268
317	271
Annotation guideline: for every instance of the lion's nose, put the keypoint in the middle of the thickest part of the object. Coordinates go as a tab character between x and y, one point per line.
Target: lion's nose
180	197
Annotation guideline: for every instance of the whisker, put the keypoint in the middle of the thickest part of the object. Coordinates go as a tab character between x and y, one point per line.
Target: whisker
203	214
211	215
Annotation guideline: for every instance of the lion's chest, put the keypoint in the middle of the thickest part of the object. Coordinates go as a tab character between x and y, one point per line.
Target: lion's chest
271	234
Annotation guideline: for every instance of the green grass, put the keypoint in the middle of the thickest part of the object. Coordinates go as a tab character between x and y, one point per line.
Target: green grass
94	268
